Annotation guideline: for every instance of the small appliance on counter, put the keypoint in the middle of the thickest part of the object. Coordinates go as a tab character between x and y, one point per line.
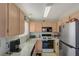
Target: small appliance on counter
14	46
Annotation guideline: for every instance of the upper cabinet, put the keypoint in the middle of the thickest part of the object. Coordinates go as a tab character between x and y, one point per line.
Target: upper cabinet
3	19
52	24
21	14
10	20
13	20
36	26
32	26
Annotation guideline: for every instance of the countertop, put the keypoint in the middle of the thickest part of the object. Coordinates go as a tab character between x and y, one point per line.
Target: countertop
26	48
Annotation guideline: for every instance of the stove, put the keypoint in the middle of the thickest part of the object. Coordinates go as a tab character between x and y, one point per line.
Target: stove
46	35
47	41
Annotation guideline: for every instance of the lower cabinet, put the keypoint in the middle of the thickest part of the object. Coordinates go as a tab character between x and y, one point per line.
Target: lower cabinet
38	46
56	46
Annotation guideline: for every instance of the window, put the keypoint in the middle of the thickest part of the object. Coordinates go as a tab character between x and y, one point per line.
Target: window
26	30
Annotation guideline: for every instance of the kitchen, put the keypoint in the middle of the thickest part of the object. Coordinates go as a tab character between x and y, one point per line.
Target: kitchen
39	29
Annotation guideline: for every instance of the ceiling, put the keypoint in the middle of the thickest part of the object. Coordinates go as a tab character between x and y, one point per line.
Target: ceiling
35	11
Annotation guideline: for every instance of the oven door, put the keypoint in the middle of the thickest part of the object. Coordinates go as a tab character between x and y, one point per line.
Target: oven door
47	45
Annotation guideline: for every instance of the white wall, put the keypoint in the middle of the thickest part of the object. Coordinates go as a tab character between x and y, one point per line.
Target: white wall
3	47
26	29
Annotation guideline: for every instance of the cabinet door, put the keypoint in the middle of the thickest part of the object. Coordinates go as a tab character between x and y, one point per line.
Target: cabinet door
3	19
56	46
38	27
32	26
54	26
57	26
21	22
38	46
13	21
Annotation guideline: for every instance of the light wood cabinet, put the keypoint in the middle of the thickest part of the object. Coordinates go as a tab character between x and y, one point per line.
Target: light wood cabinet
55	27
9	20
21	14
32	27
3	19
35	26
38	46
13	20
56	46
38	27
52	24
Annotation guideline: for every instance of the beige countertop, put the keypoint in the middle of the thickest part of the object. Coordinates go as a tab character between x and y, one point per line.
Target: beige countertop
26	48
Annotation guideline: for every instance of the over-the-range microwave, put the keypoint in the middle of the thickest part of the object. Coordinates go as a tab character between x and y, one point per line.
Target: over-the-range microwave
46	29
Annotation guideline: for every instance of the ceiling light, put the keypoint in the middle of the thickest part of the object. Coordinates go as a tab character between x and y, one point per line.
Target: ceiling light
47	9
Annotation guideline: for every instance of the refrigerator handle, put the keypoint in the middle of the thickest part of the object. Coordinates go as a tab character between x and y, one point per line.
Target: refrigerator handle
67	44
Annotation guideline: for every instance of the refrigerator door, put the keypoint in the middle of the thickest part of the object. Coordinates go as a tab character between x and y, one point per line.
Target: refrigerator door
67	50
77	38
72	34
68	34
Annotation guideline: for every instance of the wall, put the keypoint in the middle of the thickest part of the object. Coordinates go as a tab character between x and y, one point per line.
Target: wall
68	17
3	47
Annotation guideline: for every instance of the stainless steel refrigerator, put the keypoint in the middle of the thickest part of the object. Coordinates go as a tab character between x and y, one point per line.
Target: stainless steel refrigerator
69	39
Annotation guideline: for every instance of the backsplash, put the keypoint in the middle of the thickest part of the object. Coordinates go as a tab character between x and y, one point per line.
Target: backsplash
36	34
3	47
